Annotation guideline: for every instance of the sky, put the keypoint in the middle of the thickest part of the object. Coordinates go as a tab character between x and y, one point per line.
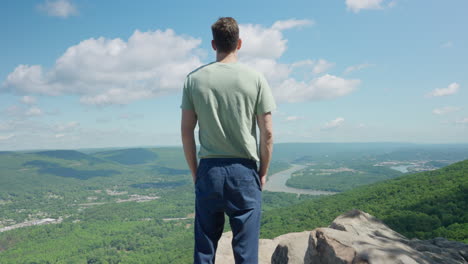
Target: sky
95	74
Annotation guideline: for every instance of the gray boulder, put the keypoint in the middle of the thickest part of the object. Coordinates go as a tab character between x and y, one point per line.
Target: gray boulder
224	252
355	238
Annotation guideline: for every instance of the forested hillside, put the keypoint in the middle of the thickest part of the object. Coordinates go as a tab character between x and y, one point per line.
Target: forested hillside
118	209
119	206
423	205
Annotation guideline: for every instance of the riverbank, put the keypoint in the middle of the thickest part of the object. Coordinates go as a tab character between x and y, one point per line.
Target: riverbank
277	183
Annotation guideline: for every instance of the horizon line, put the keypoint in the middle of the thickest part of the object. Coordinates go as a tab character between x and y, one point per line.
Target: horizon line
179	146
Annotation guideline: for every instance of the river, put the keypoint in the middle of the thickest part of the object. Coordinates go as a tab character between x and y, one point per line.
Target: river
277	183
402	168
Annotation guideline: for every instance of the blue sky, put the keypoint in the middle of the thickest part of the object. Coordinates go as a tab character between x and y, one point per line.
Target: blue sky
83	74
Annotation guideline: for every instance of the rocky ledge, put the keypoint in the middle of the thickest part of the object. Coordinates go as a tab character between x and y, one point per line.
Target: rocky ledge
355	238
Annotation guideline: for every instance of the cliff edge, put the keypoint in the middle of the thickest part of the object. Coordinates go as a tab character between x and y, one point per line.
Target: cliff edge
355	238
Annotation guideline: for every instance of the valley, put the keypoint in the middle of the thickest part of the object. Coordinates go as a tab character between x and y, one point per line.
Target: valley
136	205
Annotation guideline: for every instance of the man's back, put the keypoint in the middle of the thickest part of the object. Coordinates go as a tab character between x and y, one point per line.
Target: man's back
226	98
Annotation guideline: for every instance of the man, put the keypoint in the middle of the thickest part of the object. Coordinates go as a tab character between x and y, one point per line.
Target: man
227	99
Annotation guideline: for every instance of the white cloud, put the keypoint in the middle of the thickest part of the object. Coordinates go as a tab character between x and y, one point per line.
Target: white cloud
324	87
38	134
13	111
335	123
445	110
150	64
53	112
34	111
58	8
357	5
293	118
261	49
67	126
6	126
274	72
103	120
263	42
131	116
59	135
19	112
6	137
116	96
113	71
24	125
357	67
302	63
462	121
447	44
291	23
450	90
29	100
392	4
322	66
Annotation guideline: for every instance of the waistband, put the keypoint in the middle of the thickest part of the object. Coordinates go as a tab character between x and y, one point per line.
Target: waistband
227	161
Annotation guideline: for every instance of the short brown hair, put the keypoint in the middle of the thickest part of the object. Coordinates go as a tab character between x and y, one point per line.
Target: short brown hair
225	34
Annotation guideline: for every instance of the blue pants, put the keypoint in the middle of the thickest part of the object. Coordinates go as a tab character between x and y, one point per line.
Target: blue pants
230	185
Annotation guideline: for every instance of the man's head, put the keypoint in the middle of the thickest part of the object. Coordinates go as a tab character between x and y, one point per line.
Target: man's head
225	35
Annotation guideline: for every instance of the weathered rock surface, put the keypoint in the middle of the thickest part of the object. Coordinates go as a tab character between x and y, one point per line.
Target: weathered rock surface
224	253
355	238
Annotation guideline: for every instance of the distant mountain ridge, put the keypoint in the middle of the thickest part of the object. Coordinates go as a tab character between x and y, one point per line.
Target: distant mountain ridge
310	152
58	170
131	156
68	155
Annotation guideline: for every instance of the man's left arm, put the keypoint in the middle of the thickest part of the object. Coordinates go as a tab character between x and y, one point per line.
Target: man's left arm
188	123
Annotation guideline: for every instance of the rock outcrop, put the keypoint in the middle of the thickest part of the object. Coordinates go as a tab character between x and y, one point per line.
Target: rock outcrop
355	238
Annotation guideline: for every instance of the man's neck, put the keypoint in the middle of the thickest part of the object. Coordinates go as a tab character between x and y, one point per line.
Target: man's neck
226	58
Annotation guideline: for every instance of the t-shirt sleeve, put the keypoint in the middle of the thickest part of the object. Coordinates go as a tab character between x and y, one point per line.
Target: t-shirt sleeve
265	101
187	102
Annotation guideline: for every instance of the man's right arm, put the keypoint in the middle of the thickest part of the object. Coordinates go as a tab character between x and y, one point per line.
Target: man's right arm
188	123
265	124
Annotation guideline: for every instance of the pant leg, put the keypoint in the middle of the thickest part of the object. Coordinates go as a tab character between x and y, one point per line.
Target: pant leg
243	197
209	215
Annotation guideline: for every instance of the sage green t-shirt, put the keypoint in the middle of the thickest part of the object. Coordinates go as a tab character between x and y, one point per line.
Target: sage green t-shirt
226	98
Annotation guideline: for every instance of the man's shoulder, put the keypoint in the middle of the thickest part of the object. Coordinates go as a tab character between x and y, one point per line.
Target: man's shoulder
201	68
249	69
212	66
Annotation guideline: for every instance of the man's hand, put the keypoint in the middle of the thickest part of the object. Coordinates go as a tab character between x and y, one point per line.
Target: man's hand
263	180
194	178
